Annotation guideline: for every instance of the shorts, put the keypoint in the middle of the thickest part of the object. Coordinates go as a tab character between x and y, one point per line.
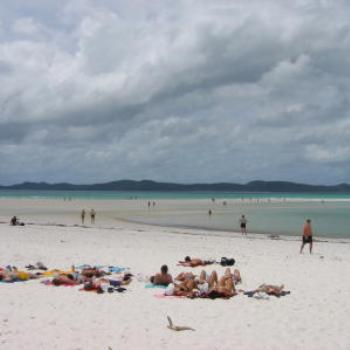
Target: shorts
243	225
203	288
169	291
307	239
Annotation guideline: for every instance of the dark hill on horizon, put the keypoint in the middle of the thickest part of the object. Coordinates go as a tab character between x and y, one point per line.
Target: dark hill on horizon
148	185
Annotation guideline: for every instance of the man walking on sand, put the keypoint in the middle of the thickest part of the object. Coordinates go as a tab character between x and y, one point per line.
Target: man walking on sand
92	216
82	215
243	224
307	236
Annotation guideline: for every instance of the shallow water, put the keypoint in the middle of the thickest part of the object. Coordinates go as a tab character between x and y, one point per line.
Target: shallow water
330	219
278	213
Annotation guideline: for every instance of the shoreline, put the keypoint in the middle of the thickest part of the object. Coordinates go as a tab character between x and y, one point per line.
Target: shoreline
195	231
187	214
246	200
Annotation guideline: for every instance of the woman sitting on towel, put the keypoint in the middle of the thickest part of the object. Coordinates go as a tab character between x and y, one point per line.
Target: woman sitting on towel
194	262
163	278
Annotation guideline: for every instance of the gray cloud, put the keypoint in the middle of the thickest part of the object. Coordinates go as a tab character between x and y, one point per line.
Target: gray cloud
192	91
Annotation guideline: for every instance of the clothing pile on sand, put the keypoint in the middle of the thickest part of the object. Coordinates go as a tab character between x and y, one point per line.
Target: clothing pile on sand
99	279
11	274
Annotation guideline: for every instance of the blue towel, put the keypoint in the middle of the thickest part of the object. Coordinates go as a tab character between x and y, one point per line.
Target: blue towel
116	269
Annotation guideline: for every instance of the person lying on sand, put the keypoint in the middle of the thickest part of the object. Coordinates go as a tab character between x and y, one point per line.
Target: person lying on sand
194	262
92	272
163	278
104	284
67	280
269	290
183	276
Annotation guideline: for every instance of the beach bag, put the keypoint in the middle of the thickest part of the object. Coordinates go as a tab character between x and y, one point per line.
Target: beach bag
227	262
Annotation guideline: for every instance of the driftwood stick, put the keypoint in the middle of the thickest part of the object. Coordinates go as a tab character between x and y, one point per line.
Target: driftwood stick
178	328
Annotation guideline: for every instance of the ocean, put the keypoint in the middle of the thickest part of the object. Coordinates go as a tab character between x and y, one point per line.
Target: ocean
167	195
275	213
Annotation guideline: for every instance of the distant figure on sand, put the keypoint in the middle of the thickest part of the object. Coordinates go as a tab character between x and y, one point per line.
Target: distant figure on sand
307	235
82	215
163	278
14	221
149	204
243	223
92	216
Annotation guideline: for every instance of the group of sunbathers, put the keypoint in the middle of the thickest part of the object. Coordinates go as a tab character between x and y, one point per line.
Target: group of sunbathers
187	284
204	286
92	278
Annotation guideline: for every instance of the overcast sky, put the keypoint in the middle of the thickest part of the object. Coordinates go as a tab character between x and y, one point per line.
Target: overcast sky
181	91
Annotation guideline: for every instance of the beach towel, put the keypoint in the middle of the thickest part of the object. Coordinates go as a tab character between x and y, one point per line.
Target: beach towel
54	272
116	269
110	268
151	285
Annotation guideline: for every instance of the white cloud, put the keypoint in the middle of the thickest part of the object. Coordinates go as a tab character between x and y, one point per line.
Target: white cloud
318	153
186	91
25	26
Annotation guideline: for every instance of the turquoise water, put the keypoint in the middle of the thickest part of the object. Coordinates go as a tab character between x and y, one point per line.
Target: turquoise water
279	213
329	219
164	195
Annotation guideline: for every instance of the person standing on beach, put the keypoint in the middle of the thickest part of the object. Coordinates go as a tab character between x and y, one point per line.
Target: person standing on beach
82	215
243	223
92	216
307	235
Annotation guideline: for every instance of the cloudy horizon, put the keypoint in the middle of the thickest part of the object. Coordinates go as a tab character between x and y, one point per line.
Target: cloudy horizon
187	91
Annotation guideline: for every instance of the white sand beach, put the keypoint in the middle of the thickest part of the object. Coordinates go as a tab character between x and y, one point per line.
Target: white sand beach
35	316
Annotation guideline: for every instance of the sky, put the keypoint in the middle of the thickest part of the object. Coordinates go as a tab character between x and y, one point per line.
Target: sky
175	91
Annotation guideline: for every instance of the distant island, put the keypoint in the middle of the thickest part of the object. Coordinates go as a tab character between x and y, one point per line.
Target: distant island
148	185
